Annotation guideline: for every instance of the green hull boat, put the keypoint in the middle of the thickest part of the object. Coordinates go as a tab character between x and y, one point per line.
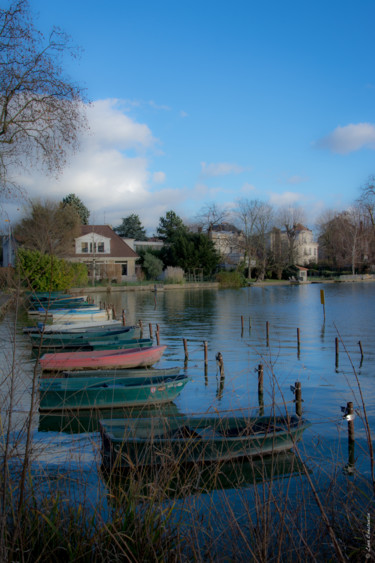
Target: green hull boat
57	394
120	334
98	344
135	372
152	441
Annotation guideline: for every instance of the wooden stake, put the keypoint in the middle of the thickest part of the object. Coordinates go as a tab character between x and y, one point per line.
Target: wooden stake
186	349
123	317
150	329
268	332
351	442
219	359
141	327
260	390
205	352
157	335
337	350
298	397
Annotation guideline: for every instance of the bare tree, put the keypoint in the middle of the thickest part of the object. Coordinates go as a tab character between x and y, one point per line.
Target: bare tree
49	228
255	218
344	238
367	199
211	215
291	219
41	111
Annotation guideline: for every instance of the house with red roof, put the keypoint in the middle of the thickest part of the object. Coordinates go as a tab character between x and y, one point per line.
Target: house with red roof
105	253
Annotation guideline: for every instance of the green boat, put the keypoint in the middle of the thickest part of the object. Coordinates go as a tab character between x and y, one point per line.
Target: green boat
186	439
64	394
98	344
129	372
120	334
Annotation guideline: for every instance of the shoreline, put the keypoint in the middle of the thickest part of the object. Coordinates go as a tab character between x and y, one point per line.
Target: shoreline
206	285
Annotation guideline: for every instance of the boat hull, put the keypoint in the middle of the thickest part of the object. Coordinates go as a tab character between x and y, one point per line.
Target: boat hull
154	441
120	334
95	392
102	359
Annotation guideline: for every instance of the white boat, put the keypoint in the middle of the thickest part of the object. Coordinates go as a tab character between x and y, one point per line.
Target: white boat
74	326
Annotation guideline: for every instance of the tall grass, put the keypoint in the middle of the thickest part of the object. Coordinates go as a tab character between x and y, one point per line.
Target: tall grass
286	507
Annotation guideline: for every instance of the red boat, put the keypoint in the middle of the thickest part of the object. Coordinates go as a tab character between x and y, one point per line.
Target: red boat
103	359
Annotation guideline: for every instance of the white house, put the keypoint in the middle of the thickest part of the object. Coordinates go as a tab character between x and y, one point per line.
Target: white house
106	255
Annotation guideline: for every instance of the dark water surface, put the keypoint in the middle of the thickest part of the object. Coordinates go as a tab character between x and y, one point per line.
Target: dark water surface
214	316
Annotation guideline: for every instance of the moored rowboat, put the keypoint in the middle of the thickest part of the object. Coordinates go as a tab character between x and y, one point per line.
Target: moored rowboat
98	392
103	359
149	441
135	372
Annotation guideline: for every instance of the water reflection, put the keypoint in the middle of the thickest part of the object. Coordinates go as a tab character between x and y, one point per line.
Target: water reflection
181	480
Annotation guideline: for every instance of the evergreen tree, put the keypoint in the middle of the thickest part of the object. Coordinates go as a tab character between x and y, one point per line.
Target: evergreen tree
169	226
131	227
80	208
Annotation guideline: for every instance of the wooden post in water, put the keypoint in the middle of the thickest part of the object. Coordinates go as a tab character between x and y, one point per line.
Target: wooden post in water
323	302
219	359
205	352
186	350
268	333
113	312
123	317
298	397
141	327
241	325
337	351
249	324
361	349
350	418
150	329
157	335
298	342
260	390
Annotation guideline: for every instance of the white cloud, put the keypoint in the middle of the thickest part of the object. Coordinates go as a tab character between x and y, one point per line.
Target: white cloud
111	173
246	188
158	177
220	169
350	138
285	198
296	179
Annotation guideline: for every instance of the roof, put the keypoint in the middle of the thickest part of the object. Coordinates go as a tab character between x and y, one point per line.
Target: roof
119	248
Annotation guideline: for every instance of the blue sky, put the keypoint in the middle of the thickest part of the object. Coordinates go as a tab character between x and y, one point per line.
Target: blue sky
201	101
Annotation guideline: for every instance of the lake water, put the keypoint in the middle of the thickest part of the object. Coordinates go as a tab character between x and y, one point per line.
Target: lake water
214	316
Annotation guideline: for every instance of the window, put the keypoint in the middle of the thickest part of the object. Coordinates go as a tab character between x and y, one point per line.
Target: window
100	246
92	247
124	269
84	247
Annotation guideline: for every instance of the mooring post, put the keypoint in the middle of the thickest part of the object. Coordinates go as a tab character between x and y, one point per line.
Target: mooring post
260	390
113	312
241	325
186	349
249	323
323	302
268	332
219	359
141	327
349	416
157	335
150	329
123	317
337	350
298	397
361	349
205	352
